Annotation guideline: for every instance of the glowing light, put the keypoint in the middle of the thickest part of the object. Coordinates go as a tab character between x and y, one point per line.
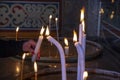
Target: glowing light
112	1
112	15
66	41
17	69
74	36
47	31
82	14
17	29
42	30
23	57
102	11
56	19
35	66
85	75
50	17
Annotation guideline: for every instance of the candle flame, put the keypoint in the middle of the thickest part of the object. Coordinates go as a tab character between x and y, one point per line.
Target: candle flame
85	75
17	29
74	36
35	66
23	57
56	19
102	11
66	41
50	17
42	30
47	31
82	14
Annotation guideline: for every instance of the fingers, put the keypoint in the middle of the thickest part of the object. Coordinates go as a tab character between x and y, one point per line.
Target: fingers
29	46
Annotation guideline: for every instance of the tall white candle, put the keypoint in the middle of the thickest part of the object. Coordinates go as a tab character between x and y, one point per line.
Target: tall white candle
81	25
57	27
38	45
50	20
80	64
66	46
61	52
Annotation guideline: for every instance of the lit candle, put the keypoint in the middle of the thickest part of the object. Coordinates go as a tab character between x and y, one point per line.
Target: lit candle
80	64
85	75
17	29
61	52
35	70
66	46
82	35
23	58
50	18
38	45
56	20
81	26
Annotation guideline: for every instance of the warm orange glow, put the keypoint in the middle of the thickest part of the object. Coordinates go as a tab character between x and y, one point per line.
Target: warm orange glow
17	29
42	30
50	17
23	57
85	75
47	31
17	69
35	66
66	41
82	14
83	23
74	36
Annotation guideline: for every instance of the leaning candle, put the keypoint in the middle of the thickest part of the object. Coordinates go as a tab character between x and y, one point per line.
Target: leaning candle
80	63
66	46
61	52
38	45
17	29
35	70
23	58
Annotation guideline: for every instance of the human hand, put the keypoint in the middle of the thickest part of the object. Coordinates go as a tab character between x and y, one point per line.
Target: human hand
29	46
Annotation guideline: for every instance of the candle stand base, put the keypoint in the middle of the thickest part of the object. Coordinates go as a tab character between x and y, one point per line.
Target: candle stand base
55	74
93	50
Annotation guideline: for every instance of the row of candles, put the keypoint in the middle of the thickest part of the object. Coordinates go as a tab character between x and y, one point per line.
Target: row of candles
50	22
80	46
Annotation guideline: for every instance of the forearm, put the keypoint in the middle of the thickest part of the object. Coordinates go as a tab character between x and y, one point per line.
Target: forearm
10	48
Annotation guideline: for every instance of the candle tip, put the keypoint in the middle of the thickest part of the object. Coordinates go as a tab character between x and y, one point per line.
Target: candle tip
74	36
47	31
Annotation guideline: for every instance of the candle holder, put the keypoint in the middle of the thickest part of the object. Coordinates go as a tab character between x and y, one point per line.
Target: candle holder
55	74
93	50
